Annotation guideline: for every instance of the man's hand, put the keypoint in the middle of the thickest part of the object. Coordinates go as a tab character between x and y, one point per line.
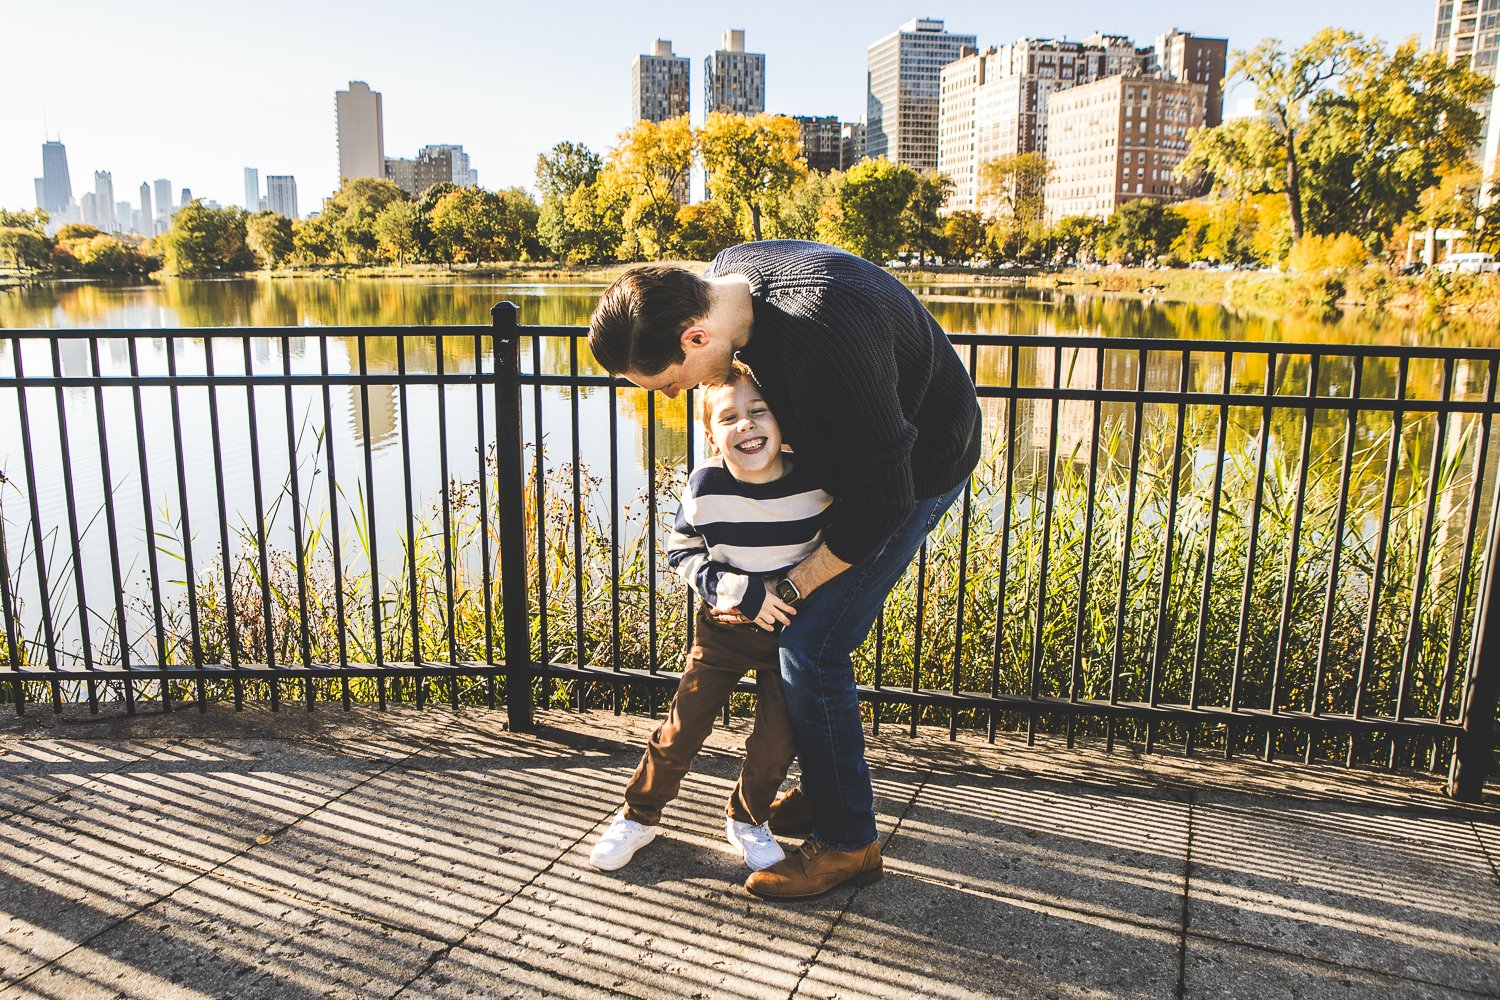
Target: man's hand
774	612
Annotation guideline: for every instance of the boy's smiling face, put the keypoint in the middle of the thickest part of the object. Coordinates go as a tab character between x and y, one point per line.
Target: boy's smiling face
742	429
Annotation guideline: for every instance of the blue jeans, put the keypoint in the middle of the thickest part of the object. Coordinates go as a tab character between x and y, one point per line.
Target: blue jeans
818	679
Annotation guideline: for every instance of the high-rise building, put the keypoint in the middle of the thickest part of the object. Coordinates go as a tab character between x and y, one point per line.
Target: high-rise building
822	142
734	80
660	84
434	164
281	195
1190	59
252	189
361	131
1468	33
124	217
88	210
852	141
994	104
904	74
104	201
958	125
1119	139
146	226
57	185
163	191
184	198
402	170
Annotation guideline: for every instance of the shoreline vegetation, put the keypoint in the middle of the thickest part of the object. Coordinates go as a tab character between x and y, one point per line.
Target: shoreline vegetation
1470	301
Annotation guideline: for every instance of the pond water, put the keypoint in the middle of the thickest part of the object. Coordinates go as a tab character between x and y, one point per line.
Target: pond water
379	436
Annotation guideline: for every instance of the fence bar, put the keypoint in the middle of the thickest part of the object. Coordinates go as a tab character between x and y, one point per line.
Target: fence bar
1473	755
510	495
111	530
1460	598
268	609
148	521
184	520
299	545
481	452
340	619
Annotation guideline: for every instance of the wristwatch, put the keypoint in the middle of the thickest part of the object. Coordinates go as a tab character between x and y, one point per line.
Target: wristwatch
786	590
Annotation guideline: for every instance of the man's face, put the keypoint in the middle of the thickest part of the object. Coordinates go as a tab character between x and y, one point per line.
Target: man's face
705	360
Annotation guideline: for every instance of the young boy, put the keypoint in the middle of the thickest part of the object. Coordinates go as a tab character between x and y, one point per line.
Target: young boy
747	515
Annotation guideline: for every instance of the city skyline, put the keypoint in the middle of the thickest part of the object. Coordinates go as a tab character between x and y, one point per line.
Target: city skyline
265	101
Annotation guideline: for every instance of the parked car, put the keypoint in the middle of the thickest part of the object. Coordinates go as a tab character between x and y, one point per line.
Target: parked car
1468	263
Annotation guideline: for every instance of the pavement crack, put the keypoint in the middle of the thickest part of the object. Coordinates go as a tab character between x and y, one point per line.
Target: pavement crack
844	910
449	947
120	766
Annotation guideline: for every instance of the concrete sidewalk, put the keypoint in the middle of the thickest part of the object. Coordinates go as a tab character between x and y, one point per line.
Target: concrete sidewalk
435	854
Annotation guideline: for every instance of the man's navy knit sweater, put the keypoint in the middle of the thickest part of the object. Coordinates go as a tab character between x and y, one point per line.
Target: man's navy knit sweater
867	389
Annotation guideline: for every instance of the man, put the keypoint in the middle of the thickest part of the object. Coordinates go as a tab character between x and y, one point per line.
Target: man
876	404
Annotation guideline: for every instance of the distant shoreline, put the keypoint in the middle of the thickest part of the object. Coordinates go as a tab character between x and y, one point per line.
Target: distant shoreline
1468	299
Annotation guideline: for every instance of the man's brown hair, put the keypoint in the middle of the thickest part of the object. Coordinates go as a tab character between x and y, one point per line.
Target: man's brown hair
637	325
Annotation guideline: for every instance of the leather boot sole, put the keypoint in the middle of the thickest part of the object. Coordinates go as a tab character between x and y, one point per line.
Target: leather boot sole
859	879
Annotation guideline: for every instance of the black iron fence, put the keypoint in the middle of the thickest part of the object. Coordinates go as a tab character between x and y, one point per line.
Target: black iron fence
1285	549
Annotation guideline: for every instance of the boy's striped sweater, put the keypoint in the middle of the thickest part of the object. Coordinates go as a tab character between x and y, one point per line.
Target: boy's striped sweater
729	535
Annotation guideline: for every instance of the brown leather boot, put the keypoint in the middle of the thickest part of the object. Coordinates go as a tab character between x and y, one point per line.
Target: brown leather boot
813	870
791	813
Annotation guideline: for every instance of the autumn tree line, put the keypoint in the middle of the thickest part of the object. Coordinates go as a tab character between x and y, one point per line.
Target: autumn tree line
1353	148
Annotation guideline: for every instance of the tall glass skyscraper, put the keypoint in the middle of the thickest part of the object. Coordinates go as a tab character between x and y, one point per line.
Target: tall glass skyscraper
904	74
57	185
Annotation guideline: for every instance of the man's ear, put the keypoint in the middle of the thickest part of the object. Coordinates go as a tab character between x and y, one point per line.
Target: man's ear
694	336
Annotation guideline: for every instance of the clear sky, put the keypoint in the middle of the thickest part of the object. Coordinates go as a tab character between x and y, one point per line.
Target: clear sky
196	90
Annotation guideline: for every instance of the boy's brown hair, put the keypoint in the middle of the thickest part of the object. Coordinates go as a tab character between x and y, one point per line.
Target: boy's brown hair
738	372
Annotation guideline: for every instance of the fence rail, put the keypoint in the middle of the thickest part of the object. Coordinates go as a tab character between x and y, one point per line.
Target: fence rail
1286	549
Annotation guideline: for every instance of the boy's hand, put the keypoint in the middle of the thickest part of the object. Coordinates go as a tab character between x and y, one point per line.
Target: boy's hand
774	612
730	617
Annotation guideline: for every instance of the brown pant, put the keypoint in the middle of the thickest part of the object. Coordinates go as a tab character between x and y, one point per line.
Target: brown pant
721	655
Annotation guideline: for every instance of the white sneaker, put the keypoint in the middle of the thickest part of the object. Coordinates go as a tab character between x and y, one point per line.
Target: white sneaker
755	843
619	842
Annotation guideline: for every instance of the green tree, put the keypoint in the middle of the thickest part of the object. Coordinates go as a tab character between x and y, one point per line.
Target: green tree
963	235
1017	185
751	162
1384	135
1242	157
351	215
25	248
314	240
1076	238
76	231
922	218
798	212
268	235
1140	231
34	219
561	171
398	231
870	206
703	230
204	240
1285	84
594	227
649	170
470	225
565	168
